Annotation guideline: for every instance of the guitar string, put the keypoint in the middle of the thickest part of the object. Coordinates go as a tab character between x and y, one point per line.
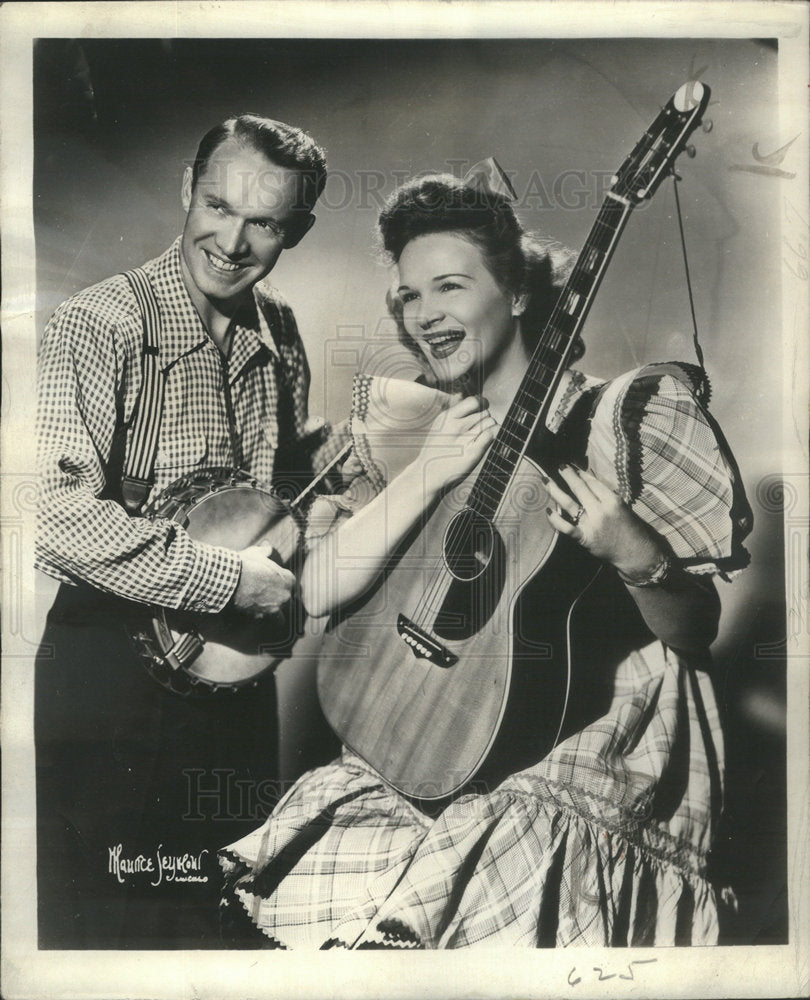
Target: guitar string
442	578
609	221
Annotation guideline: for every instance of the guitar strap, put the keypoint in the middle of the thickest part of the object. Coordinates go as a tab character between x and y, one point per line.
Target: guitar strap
138	474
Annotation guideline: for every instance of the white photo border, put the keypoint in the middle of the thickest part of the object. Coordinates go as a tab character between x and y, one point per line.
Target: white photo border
711	972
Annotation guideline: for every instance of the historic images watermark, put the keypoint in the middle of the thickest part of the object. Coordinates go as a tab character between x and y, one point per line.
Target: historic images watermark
572	189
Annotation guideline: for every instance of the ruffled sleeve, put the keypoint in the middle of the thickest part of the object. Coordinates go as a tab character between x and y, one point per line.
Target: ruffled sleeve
389	423
658	447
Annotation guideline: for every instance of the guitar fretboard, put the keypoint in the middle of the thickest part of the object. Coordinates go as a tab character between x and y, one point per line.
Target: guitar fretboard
550	358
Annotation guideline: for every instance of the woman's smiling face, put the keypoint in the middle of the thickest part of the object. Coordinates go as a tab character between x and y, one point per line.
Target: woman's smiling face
453	308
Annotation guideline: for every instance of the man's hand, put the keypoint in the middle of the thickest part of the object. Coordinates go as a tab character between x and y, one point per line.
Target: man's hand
264	587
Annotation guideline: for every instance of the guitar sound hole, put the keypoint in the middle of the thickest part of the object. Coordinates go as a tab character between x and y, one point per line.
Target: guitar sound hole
475	558
468	544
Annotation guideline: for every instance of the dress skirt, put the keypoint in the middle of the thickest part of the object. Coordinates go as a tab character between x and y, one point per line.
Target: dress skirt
602	843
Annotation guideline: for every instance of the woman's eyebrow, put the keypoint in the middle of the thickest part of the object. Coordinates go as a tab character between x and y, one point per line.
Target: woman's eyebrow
441	277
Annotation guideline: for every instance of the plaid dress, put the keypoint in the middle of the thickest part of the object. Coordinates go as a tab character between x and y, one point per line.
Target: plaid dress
603	842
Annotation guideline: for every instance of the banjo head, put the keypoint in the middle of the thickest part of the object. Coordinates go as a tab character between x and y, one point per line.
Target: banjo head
191	653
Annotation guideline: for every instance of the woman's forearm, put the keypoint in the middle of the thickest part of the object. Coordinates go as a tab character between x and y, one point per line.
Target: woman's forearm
346	562
683	612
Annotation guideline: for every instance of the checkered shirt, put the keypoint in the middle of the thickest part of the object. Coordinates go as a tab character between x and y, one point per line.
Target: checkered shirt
90	374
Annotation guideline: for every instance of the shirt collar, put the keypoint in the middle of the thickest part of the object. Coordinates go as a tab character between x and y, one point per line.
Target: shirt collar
182	330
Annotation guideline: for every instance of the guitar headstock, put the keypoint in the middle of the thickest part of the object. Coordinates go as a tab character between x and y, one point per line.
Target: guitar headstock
658	148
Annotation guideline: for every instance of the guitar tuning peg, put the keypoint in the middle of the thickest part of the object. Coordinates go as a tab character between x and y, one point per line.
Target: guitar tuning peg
691	152
707	125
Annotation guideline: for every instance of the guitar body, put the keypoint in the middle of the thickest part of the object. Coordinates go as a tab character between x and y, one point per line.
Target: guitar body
427	725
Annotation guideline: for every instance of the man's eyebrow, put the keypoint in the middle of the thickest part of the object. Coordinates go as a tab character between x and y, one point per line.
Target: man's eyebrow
214	199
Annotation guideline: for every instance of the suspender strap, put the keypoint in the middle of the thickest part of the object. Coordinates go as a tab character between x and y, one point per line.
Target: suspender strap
138	469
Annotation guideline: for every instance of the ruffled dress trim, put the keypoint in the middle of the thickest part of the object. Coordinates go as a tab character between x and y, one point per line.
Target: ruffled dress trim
514	868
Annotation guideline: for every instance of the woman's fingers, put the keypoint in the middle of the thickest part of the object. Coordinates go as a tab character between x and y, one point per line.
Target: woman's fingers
480	421
567	504
469	423
600	489
559	523
557	493
464	406
580	483
586	495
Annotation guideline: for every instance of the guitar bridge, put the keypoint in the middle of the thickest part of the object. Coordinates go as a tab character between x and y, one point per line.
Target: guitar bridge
423	646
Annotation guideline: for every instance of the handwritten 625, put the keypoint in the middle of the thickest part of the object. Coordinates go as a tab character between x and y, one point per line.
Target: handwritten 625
601	975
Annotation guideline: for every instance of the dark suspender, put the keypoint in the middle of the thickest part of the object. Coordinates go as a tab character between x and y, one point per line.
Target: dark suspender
138	476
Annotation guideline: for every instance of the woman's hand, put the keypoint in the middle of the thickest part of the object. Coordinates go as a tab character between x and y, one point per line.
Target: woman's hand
456	443
346	562
599	520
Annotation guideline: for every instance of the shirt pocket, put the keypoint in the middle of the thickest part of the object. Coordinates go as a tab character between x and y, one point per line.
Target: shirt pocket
181	452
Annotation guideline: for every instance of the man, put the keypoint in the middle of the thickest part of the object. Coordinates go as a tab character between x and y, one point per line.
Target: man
130	776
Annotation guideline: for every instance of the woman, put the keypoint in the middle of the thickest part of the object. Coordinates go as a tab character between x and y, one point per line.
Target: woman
604	840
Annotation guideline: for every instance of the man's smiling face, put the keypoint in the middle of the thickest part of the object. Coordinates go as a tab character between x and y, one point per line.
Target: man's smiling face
241	213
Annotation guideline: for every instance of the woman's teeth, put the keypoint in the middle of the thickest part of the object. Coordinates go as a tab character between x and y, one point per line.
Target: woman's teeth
443	345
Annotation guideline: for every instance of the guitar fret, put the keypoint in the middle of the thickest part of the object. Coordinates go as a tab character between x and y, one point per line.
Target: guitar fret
540	376
604	232
496	468
483	489
480	501
515	435
571	303
554	339
521	416
500	464
563	322
505	451
582	283
591	260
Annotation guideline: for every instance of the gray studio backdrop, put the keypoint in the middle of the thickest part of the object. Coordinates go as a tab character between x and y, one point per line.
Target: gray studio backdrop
117	120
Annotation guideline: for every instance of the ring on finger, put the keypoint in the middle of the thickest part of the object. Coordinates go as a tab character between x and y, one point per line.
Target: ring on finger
575	518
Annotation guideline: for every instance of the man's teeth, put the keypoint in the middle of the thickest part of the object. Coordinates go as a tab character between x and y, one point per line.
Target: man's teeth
222	265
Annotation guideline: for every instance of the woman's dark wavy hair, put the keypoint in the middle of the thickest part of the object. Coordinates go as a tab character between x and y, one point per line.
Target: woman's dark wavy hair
520	263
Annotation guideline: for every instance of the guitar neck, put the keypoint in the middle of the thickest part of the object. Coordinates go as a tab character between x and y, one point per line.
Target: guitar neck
551	357
637	179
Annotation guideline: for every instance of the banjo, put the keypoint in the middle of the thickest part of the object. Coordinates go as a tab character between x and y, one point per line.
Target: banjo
190	653
186	652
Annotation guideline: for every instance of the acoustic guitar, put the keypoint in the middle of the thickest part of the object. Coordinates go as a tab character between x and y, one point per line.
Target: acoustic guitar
470	625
